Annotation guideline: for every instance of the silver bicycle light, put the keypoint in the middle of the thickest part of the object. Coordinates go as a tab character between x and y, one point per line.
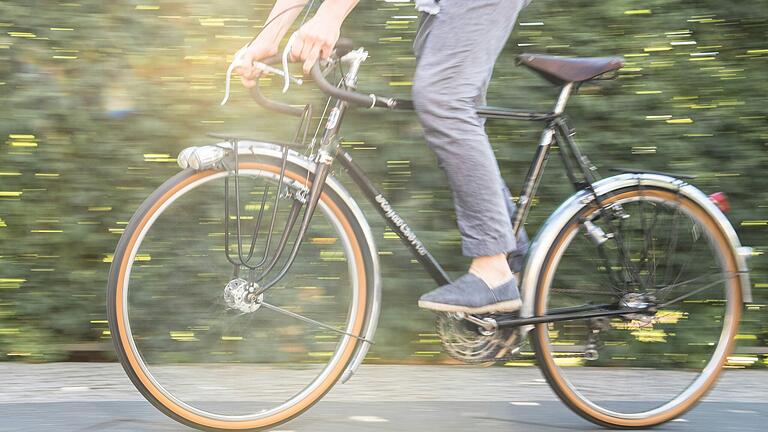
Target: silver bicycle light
206	157
183	158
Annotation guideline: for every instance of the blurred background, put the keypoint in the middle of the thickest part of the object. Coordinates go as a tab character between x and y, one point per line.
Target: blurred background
99	97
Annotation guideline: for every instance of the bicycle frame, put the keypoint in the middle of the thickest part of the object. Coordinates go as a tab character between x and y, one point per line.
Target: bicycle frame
555	131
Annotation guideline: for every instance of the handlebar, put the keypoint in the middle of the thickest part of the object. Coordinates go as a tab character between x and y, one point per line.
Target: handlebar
367	100
269	104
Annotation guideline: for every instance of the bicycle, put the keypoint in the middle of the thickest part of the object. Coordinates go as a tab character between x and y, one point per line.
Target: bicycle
632	289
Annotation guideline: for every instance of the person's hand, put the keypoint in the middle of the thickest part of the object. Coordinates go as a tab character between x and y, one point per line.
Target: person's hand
259	49
316	38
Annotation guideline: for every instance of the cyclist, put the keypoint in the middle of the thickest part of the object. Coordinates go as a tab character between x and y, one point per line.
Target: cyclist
456	47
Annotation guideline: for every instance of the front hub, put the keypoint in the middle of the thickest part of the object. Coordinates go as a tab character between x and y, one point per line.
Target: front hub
239	295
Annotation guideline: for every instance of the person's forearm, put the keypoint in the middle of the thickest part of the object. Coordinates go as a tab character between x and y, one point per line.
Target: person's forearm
284	12
337	8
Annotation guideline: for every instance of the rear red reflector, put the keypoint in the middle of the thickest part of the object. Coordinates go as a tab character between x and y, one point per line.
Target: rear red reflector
721	201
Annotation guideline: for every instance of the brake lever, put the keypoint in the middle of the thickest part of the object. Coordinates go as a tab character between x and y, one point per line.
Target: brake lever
265	67
286	52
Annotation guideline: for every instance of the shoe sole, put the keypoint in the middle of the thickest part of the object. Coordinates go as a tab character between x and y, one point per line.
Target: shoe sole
505	306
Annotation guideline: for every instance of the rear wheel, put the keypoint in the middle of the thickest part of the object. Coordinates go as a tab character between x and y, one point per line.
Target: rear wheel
656	247
186	331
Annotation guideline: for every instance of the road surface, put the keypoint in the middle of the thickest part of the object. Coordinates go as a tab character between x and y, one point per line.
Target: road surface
99	397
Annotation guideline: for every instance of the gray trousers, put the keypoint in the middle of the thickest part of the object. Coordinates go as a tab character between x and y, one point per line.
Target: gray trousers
456	50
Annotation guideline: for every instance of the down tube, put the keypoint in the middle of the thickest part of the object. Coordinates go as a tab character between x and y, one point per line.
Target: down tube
395	222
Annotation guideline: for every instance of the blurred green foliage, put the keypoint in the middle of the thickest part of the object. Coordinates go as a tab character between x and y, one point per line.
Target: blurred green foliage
98	97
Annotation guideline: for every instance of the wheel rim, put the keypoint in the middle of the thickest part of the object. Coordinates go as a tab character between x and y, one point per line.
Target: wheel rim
584	393
299	400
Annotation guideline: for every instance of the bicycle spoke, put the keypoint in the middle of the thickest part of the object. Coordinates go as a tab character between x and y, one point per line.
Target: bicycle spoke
685	265
624	256
311	321
649	236
679	284
694	292
672	245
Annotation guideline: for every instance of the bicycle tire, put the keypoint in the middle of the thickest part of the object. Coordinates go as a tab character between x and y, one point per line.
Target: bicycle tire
683	401
119	323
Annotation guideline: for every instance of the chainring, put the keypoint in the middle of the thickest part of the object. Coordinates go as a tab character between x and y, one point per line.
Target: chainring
462	341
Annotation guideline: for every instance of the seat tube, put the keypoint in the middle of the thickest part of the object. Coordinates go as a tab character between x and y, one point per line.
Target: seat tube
533	177
562	100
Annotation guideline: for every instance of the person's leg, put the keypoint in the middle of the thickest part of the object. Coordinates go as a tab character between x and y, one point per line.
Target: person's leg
456	51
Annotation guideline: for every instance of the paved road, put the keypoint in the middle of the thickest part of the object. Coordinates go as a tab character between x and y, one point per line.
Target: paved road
98	397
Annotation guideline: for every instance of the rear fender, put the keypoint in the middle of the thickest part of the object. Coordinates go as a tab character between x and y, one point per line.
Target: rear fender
552	227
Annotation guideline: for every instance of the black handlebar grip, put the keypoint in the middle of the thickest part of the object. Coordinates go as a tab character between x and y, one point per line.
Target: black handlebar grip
280	107
332	90
343	46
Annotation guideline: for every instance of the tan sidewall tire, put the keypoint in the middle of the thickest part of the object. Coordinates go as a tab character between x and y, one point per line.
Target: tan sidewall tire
118	322
540	336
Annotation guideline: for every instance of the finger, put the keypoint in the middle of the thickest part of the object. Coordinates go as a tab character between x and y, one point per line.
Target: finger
240	69
254	72
311	59
308	64
244	65
243	71
326	51
298	45
309	45
247	73
248	83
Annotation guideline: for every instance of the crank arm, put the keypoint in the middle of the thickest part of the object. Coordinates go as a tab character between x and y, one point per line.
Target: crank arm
487	323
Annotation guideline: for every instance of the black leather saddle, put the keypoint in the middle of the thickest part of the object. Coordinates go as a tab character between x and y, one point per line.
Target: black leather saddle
561	70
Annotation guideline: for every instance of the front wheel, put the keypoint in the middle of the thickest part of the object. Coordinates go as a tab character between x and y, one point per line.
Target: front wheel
642	246
193	340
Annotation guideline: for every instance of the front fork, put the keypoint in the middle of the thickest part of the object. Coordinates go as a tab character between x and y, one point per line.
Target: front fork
323	163
324	158
259	272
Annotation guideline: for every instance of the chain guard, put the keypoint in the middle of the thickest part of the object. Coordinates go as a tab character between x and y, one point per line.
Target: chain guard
462	341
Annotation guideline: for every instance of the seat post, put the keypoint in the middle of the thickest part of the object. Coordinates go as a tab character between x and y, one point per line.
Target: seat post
565	93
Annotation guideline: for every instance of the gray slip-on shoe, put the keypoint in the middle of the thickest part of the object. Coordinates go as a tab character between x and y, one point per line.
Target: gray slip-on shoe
470	294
